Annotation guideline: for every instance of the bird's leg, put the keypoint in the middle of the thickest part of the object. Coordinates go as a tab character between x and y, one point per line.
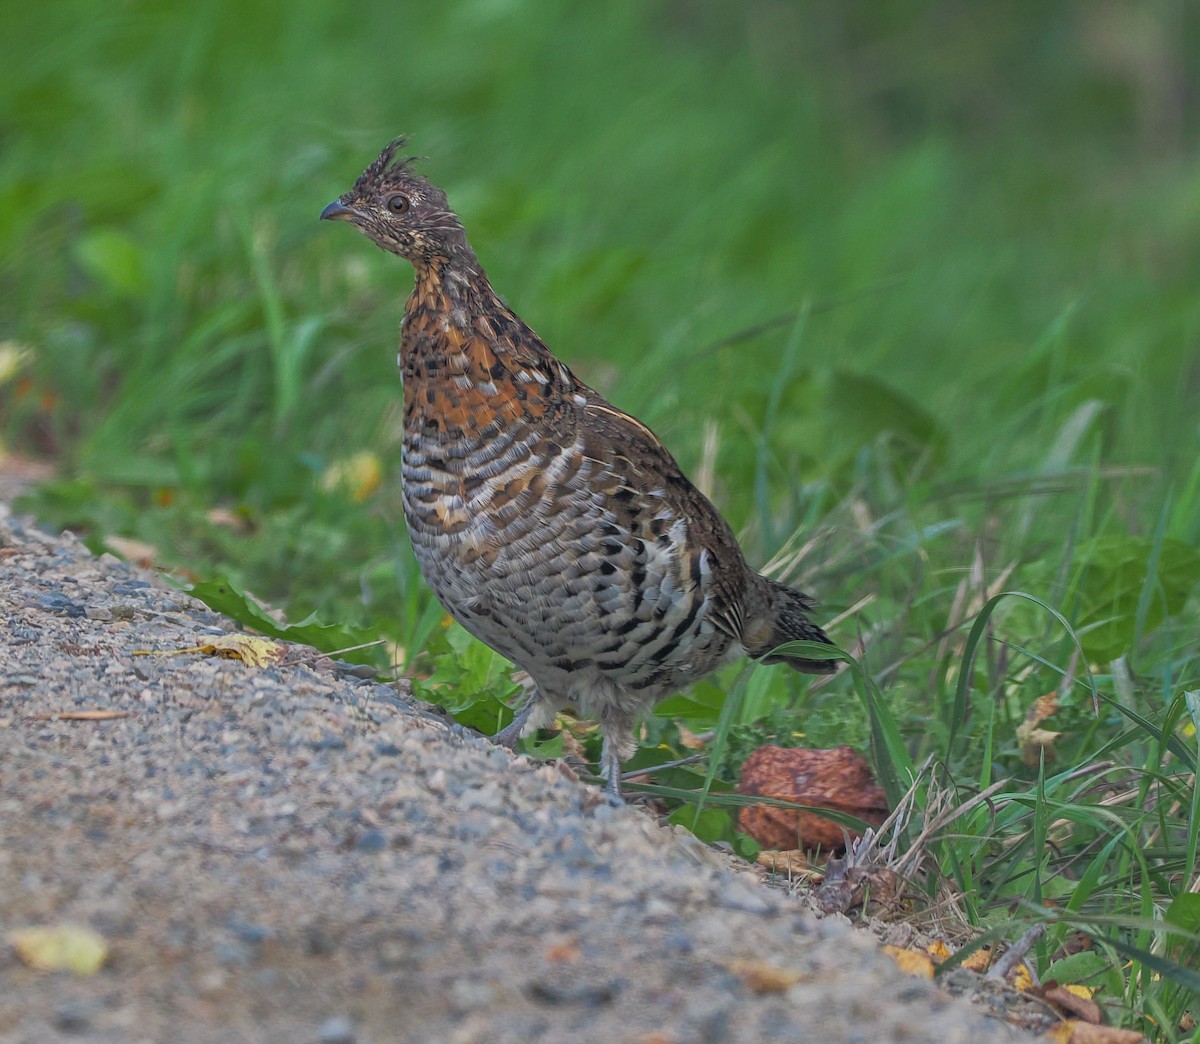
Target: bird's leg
610	770
534	713
616	728
511	733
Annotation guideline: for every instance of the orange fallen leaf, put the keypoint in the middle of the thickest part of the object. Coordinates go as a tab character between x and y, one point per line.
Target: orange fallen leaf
912	962
1072	1031
976	961
762	977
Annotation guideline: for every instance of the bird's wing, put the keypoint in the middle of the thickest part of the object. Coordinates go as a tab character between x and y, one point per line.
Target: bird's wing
650	495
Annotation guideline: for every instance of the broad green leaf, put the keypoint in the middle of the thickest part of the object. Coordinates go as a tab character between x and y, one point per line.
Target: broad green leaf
711	824
112	258
221	595
873	408
1077	968
685	707
1184	911
1114	572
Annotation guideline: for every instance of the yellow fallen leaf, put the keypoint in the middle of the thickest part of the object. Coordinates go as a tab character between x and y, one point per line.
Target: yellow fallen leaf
249	648
976	961
911	962
1072	1031
258	652
979	961
1034	740
62	947
938	950
13	357
360	475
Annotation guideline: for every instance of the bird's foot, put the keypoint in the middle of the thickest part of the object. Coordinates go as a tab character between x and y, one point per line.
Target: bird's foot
610	772
511	733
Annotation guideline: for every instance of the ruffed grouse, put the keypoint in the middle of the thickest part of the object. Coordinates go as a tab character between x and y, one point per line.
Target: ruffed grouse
555	528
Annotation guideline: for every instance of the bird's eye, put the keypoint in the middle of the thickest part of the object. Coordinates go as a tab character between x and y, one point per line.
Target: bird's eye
398	204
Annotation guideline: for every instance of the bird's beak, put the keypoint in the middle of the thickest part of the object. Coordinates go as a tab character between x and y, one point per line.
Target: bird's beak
337	211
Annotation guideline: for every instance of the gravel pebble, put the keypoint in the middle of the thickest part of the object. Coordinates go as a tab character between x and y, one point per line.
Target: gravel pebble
337	1029
297	854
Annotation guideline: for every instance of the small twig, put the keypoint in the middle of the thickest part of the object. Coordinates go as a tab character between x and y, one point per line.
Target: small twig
857	607
331	654
1015	954
939	816
787	318
85	715
649	770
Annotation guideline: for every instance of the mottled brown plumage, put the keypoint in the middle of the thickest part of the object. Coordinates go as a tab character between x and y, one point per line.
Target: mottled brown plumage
552	526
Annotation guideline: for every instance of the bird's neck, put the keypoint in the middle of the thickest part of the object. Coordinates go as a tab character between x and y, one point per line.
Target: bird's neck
465	356
451	314
450	290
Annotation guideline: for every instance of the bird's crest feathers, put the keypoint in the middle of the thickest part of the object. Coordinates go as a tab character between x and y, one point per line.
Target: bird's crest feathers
384	166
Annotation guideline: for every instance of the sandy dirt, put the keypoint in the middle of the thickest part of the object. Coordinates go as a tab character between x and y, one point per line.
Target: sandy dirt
292	854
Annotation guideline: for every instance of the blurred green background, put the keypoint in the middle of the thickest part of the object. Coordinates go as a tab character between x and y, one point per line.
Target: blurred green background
916	281
910	288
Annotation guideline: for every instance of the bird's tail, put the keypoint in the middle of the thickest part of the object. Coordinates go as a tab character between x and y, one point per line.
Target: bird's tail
792	624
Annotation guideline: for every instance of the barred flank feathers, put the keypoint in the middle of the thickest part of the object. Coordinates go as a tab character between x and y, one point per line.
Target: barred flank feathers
793	625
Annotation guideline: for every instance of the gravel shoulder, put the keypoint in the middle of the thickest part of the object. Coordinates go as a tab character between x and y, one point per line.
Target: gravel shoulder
291	854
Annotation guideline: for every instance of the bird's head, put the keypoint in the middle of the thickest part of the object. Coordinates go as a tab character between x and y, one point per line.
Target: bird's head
401	212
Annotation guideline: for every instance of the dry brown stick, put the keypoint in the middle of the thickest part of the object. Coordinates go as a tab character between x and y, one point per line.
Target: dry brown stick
1016	953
